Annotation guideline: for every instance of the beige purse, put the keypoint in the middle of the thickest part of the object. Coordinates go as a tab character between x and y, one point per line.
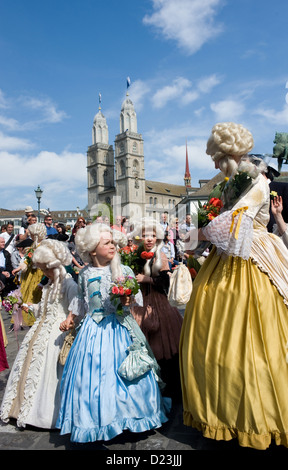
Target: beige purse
181	286
68	341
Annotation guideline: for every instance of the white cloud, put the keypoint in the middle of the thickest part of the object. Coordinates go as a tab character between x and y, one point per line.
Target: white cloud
67	168
9	143
171	92
274	116
9	123
228	109
182	90
191	23
46	107
62	177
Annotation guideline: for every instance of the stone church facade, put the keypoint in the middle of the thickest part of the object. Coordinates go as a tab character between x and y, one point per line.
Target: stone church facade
116	176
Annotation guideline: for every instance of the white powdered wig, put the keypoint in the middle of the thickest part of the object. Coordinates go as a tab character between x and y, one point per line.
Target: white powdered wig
227	143
86	241
55	255
149	225
38	232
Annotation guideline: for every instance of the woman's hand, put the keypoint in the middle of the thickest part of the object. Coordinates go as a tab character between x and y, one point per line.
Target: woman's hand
68	324
276	205
142	278
126	300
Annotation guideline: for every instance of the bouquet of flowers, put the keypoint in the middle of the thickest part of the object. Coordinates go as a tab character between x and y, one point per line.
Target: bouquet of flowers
12	301
129	259
208	212
28	256
236	187
123	286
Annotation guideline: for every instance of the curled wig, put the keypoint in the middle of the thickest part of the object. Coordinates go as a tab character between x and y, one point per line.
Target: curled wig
86	241
55	255
149	224
227	143
38	232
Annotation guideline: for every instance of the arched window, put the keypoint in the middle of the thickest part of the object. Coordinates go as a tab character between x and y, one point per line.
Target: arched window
122	168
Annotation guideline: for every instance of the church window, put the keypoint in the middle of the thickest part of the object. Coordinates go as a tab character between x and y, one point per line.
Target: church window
121	148
122	168
135	149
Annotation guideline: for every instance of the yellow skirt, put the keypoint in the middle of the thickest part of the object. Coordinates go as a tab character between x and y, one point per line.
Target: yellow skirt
233	365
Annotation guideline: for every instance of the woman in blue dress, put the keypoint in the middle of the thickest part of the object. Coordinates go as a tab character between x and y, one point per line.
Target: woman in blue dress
111	379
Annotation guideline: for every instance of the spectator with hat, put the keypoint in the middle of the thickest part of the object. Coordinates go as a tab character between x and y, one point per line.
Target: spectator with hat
28	211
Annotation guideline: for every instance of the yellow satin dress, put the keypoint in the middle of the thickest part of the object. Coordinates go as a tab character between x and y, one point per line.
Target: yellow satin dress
234	372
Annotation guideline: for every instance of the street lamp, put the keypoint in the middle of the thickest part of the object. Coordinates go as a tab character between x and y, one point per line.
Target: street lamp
38	193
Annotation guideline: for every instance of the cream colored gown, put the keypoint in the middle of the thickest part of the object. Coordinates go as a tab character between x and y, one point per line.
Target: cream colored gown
233	342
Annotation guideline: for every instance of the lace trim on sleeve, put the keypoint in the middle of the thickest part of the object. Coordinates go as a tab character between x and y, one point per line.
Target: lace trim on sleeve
231	233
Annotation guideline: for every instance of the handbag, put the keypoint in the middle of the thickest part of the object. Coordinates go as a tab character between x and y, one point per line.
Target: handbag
181	286
64	351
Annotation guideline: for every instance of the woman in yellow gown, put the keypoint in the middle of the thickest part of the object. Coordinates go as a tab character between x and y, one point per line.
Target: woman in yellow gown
233	365
30	275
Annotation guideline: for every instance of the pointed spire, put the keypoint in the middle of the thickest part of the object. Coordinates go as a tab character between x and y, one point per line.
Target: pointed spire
100	98
187	176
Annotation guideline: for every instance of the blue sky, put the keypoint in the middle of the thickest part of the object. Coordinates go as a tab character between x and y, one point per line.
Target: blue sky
192	63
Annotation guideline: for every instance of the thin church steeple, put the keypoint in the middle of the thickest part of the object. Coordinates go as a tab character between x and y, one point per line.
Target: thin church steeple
187	176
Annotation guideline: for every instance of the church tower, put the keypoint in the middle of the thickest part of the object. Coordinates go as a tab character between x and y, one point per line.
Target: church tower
129	162
100	163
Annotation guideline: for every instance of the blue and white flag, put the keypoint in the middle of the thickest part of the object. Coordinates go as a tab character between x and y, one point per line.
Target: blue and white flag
128	82
100	97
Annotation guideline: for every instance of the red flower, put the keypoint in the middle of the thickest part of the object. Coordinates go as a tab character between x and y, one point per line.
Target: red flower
115	290
121	290
147	255
128	292
214	201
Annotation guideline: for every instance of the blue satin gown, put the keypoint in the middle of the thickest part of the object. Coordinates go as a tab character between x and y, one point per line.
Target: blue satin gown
110	381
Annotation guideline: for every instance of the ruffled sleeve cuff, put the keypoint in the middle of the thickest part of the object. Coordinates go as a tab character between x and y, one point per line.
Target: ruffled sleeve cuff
231	233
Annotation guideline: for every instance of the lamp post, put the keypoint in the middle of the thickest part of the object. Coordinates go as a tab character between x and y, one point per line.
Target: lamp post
38	193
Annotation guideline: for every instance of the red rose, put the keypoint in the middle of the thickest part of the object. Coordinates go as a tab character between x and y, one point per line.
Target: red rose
121	290
115	290
214	201
147	255
128	292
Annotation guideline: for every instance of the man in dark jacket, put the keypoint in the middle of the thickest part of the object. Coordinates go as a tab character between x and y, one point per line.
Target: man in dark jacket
6	276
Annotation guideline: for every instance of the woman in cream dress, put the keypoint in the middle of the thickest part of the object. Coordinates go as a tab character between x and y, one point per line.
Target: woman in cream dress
235	331
32	394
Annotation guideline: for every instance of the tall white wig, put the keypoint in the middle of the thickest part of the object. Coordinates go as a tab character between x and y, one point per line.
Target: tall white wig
147	225
38	232
227	143
87	239
55	255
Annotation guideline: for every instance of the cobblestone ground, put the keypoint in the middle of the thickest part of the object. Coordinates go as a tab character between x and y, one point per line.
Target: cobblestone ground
173	436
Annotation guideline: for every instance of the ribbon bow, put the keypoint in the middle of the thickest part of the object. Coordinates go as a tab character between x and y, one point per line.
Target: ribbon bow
235	213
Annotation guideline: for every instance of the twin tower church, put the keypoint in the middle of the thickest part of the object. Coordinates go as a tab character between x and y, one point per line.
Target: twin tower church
116	176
